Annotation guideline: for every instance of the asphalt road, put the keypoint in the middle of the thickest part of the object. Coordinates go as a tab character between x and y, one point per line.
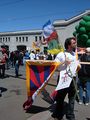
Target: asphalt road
14	95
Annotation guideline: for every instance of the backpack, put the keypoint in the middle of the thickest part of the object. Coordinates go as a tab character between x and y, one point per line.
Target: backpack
85	68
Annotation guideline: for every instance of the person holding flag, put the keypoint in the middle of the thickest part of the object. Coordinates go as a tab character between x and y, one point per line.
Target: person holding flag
66	84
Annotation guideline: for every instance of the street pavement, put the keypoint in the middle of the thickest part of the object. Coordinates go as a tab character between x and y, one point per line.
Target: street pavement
14	94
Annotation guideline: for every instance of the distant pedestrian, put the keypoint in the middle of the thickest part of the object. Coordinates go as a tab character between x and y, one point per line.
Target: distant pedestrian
12	58
16	63
3	59
84	78
32	55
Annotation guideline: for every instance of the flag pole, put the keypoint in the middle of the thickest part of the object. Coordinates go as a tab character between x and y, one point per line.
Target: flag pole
77	96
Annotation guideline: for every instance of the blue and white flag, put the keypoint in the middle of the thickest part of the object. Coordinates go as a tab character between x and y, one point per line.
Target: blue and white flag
48	29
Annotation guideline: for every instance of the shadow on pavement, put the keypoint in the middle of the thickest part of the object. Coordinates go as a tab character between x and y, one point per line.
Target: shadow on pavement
52	107
19	77
36	109
46	96
3	89
6	76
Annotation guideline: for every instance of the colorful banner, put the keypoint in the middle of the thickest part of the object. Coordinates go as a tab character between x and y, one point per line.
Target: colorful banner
51	37
36	45
38	73
48	29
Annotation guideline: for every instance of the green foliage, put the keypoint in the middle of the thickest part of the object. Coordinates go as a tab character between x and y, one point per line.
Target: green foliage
88	43
88	34
84	37
74	33
82	32
86	18
82	23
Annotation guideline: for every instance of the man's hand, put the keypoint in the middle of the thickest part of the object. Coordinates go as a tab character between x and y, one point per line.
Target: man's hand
67	61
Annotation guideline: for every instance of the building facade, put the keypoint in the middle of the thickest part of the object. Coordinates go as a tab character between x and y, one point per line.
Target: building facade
23	40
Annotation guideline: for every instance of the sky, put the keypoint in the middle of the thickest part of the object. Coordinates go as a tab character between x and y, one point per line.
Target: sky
21	15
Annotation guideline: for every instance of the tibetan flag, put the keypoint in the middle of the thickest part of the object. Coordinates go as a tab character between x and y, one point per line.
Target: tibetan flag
38	73
50	35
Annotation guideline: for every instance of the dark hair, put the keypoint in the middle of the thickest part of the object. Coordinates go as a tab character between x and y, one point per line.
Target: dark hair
68	42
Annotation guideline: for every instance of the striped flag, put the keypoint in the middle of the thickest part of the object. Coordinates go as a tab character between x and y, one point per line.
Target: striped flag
38	73
49	32
51	37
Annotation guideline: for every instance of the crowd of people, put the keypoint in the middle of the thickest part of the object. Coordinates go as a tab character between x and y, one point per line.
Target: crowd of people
18	58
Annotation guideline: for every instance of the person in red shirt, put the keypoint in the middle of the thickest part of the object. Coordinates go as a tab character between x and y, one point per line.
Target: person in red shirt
3	58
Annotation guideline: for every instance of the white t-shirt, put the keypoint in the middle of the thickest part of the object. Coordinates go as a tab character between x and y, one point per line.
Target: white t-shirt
62	56
32	56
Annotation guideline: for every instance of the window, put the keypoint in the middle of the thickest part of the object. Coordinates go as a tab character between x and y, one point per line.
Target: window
23	39
40	38
35	38
16	39
19	39
0	39
8	39
3	39
26	39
